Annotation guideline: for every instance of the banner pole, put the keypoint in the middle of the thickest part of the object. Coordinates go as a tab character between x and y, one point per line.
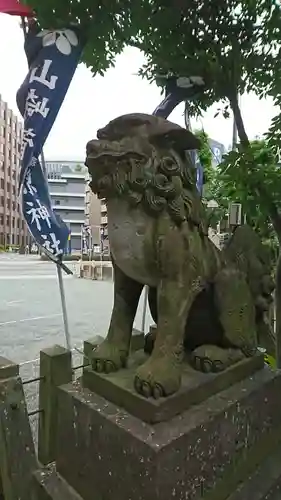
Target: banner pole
64	309
60	279
145	302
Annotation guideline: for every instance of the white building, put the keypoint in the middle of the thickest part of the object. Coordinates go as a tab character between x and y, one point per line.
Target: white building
67	187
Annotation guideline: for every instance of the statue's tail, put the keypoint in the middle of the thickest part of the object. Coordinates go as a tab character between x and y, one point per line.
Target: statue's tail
248	254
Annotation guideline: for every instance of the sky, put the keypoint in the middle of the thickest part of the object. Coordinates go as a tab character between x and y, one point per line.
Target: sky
91	102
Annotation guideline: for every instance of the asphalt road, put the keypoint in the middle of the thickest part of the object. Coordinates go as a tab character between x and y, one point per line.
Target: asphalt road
31	315
30	307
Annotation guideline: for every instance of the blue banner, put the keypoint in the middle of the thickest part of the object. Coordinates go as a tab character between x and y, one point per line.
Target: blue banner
178	90
53	57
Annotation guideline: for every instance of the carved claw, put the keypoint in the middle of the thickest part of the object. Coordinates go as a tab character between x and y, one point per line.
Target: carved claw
108	357
158	377
249	351
206	365
213	359
103	366
149	390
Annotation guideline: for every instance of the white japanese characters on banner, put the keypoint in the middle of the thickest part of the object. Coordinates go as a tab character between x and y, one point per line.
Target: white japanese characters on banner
53	57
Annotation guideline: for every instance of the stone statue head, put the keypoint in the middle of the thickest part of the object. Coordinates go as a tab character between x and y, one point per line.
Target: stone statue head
145	159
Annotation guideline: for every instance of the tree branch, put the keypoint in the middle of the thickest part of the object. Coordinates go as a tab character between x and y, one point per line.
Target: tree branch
244	140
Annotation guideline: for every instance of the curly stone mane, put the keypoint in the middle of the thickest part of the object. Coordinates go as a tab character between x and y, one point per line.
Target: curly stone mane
159	177
165	182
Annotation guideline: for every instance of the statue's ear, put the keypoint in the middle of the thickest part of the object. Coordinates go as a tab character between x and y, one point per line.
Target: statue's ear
179	139
123	126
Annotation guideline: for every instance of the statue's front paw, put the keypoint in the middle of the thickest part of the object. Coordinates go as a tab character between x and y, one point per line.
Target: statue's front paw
249	350
108	357
211	358
158	377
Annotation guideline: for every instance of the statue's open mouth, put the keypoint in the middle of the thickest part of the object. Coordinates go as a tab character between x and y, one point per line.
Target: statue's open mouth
107	165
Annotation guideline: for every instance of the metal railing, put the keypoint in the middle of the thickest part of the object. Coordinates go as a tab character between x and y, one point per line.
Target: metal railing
42	379
55	369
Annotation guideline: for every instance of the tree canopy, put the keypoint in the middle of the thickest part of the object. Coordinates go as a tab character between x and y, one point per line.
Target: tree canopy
233	44
107	25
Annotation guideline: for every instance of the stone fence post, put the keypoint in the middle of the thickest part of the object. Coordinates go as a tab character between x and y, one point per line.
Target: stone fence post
55	370
18	459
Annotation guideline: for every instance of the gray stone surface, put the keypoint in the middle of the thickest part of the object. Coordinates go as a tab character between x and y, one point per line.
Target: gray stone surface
203	453
48	485
264	483
118	387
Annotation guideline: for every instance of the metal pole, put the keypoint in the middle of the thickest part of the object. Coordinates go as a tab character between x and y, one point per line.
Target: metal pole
64	310
145	301
60	278
101	253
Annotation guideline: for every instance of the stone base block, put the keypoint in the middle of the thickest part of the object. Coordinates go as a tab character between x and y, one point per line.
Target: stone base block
48	485
264	483
196	387
205	452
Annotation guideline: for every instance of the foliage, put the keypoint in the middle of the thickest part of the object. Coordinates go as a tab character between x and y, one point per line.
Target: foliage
204	153
233	44
107	26
270	360
238	178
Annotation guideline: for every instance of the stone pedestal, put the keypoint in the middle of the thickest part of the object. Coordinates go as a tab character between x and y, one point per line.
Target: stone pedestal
205	451
196	387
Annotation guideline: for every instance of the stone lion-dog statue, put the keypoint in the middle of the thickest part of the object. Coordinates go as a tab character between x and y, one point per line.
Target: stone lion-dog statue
158	236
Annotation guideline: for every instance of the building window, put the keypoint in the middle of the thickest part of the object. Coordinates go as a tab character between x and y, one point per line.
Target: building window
57	202
2	183
1	219
8	220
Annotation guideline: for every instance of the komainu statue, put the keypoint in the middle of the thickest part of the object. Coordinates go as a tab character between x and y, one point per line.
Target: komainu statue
158	237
